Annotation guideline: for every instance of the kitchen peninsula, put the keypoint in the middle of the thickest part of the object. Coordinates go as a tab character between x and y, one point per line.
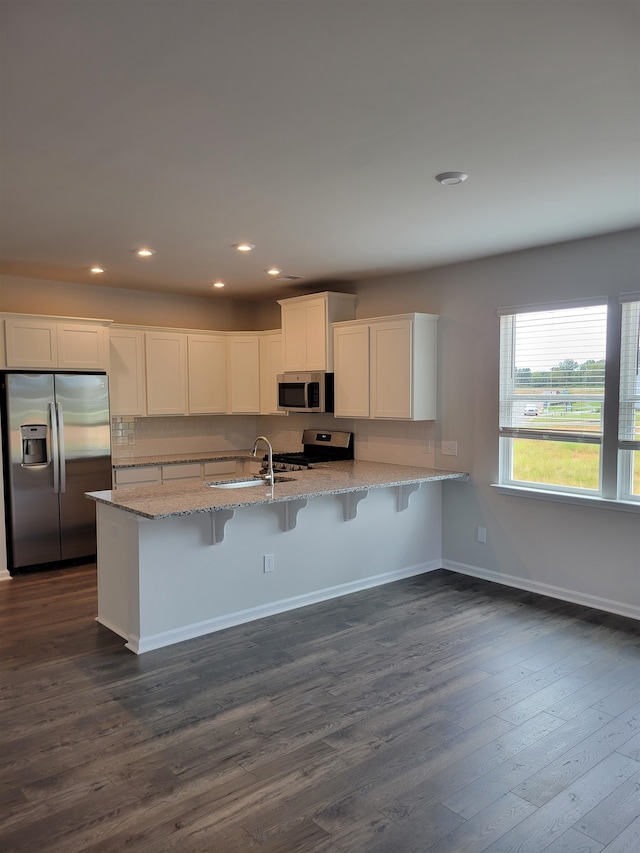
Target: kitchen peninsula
181	560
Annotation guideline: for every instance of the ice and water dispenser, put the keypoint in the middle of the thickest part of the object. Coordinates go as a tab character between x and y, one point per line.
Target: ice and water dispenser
34	444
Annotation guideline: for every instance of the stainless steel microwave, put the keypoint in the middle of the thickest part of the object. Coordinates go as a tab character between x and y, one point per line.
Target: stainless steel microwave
305	392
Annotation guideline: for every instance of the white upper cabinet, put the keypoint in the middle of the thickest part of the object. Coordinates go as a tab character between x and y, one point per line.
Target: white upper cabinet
351	365
166	372
48	343
271	364
126	375
306	328
243	371
207	374
396	378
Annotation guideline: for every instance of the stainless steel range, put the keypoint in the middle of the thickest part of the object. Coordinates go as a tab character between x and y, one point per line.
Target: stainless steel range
318	446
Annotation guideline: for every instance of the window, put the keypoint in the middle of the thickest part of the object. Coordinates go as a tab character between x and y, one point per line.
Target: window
559	415
629	420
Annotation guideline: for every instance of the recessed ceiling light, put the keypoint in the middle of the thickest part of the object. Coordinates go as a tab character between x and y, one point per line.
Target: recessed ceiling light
273	271
218	283
144	252
97	269
451	179
243	247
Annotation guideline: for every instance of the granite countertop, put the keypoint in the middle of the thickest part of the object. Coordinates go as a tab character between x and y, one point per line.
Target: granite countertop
175	499
177	458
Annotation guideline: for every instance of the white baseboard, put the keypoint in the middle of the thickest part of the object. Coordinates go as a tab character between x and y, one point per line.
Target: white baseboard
112	627
139	645
5	575
571	595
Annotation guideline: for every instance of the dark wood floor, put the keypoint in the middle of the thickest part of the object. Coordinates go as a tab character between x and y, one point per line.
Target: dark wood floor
440	713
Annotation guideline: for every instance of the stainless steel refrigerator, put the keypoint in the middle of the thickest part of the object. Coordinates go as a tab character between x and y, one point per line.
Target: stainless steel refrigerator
57	446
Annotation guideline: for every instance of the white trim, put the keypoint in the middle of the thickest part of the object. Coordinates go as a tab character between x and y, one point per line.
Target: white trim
629	297
560	305
566	498
219	623
569	595
107	624
5	575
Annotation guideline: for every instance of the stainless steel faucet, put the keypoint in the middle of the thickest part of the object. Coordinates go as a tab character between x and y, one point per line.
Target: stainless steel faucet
269	478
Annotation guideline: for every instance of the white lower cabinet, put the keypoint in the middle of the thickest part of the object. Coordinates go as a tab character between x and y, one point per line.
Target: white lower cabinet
149	475
385	367
182	472
129	478
213	470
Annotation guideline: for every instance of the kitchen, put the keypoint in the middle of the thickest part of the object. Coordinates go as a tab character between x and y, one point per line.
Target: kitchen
344	169
405	347
466	340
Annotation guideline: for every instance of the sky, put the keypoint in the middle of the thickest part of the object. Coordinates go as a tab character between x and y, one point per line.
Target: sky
545	338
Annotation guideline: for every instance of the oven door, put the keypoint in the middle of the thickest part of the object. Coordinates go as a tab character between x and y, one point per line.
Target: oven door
293	395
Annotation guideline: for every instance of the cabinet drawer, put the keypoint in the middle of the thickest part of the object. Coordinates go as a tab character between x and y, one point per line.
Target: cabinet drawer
136	476
213	469
191	471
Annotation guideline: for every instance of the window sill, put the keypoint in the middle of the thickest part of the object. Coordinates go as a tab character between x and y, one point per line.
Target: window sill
566	498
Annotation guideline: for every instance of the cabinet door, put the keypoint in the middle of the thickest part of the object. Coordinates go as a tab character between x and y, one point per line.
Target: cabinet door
271	364
351	363
82	346
126	372
316	331
391	369
207	373
294	333
31	343
130	478
180	472
166	373
243	353
212	470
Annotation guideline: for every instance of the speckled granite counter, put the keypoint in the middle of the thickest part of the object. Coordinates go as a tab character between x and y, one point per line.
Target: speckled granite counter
180	499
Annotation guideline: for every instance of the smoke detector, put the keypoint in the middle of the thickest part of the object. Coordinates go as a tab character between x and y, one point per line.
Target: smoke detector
451	179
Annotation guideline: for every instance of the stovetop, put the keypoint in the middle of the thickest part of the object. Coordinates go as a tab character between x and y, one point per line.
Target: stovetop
318	446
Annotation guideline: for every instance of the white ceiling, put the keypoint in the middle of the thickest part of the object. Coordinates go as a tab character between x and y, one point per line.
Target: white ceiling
312	128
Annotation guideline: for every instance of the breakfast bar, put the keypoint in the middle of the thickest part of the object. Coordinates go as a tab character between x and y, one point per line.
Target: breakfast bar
177	561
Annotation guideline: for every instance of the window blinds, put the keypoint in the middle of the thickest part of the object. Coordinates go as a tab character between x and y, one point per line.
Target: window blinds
552	365
629	419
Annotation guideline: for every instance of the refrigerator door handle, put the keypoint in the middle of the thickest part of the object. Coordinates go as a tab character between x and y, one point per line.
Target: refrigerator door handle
62	457
55	455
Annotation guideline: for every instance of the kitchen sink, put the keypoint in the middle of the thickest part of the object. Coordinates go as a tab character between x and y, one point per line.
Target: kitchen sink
246	482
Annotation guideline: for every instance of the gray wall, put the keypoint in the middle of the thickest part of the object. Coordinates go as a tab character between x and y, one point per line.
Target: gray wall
580	553
66	299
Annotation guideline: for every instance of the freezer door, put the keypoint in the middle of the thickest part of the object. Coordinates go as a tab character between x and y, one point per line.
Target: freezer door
34	523
82	403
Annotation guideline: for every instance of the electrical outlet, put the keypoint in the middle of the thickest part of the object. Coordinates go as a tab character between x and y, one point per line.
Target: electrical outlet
449	448
269	563
482	534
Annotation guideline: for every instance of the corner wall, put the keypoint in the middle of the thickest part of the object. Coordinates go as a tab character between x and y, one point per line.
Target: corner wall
584	554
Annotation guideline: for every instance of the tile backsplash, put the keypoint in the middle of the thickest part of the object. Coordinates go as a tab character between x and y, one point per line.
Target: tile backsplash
132	436
401	442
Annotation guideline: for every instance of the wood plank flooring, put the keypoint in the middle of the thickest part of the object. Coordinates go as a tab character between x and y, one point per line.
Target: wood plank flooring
440	713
